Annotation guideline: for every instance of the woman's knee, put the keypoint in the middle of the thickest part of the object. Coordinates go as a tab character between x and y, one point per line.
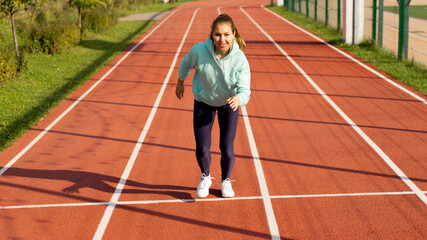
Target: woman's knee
202	150
227	151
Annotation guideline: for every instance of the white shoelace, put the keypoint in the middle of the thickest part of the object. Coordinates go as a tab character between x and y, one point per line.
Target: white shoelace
204	181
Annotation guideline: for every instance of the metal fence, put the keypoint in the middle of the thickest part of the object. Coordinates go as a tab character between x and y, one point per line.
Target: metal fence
380	25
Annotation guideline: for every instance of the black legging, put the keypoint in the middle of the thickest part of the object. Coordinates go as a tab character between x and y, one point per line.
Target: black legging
203	119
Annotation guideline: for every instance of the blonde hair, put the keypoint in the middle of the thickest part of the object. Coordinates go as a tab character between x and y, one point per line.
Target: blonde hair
224	18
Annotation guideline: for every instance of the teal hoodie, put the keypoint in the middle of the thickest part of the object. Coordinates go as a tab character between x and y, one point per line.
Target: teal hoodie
216	80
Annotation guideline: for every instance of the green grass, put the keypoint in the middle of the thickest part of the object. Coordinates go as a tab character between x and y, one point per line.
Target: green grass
416	11
409	72
49	79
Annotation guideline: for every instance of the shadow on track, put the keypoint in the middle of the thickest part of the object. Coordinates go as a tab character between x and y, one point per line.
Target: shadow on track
267	159
100	182
298	163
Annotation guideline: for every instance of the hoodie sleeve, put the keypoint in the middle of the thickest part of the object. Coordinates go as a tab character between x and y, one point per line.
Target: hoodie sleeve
244	83
188	63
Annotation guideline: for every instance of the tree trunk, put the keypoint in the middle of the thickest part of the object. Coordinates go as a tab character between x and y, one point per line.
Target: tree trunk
80	18
134	5
15	40
79	9
150	3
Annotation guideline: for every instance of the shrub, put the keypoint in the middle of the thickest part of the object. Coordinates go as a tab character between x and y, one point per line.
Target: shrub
98	20
120	4
41	17
53	37
8	64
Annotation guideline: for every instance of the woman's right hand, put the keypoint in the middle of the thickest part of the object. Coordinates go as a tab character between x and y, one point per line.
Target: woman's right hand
179	91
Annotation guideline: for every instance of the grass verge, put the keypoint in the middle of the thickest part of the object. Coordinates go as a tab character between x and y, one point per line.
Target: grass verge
409	72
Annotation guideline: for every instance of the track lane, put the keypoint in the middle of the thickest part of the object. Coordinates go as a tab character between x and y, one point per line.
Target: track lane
379	217
217	220
168	155
49	223
125	175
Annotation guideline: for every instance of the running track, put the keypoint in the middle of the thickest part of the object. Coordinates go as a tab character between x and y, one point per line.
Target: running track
326	148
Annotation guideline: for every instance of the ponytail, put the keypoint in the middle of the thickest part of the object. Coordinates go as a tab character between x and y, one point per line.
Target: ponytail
240	41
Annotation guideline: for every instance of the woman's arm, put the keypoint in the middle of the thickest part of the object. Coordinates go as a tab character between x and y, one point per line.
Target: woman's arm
244	84
188	63
179	91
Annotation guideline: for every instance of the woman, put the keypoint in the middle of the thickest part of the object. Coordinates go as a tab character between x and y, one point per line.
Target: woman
221	84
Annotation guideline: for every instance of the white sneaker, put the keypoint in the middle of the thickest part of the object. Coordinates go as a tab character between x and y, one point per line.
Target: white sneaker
204	184
226	189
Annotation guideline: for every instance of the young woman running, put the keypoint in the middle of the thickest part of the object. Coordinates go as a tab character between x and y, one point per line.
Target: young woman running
221	84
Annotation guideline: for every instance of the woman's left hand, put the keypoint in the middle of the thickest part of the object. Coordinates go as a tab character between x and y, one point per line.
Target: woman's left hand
234	102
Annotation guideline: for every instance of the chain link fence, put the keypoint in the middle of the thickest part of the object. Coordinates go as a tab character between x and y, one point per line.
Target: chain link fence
331	13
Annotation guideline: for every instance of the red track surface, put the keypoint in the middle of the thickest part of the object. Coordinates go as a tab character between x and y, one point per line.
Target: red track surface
324	179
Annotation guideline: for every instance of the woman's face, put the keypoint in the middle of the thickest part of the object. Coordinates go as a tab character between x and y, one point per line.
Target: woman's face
223	37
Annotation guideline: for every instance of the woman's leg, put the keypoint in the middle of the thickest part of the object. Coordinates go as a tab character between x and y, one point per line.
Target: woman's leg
203	119
227	119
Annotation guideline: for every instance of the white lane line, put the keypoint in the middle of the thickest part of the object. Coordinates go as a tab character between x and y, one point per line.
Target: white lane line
113	202
146	202
347	195
350	57
35	140
365	137
142	202
271	219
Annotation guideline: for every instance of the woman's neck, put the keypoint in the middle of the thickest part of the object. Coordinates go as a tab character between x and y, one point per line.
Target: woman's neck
220	54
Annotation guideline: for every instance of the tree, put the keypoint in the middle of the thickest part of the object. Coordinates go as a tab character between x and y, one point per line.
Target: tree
85	4
10	7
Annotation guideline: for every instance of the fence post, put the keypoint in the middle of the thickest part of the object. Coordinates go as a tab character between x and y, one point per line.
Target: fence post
403	29
306	8
299	6
272	3
315	10
339	15
326	12
380	22
353	15
374	20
